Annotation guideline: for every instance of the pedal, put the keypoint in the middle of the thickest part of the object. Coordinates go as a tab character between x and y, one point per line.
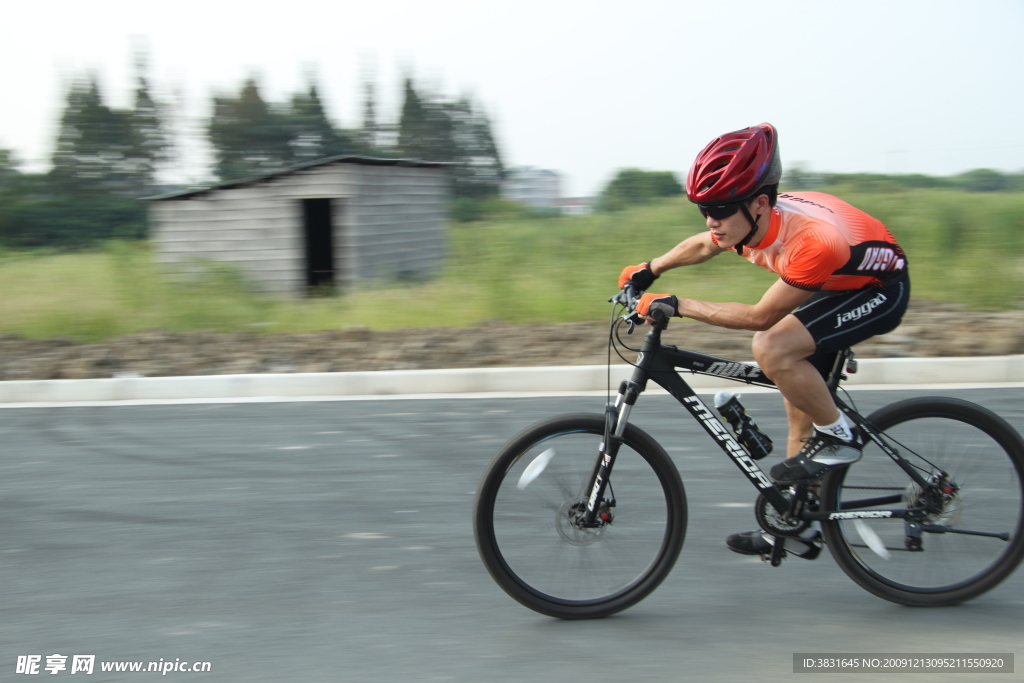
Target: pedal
778	551
913	540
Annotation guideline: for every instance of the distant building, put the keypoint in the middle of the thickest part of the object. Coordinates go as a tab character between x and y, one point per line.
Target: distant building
324	224
536	187
576	206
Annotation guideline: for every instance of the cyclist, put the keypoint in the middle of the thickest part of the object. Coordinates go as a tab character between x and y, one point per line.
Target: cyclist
842	279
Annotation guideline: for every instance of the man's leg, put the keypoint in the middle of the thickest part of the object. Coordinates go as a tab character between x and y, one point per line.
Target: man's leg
781	352
800	427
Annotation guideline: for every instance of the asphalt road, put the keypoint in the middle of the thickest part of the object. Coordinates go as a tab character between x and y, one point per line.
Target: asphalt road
332	541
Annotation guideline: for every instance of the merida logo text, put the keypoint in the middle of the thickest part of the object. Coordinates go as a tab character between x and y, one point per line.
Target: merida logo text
860	311
734	450
863	514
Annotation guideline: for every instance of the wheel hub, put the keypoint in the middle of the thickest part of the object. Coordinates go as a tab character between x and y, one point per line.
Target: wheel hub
942	503
569	524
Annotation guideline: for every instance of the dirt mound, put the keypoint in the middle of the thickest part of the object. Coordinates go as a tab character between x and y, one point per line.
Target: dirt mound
929	329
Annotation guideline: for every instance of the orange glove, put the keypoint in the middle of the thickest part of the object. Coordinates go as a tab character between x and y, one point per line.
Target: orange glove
666	303
641	276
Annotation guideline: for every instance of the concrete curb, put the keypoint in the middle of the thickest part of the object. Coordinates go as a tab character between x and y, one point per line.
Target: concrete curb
572	379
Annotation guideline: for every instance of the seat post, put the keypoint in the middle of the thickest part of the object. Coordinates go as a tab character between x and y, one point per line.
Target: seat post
836	375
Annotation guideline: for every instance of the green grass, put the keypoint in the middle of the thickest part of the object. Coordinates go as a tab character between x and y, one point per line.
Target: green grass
965	248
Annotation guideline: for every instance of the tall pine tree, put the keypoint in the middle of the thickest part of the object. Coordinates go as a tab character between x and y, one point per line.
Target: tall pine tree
252	137
101	149
151	143
8	165
414	127
369	135
94	145
479	168
435	129
312	136
248	136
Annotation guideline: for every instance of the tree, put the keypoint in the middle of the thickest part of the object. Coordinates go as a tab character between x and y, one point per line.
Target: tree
8	167
435	129
983	180
253	137
151	145
633	186
797	177
369	134
95	144
101	149
419	134
248	137
311	134
103	160
479	170
34	212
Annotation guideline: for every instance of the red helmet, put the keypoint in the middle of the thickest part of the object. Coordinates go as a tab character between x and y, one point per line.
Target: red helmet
734	166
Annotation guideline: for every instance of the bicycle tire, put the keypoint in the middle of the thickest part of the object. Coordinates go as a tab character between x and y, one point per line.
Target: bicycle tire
554	567
984	457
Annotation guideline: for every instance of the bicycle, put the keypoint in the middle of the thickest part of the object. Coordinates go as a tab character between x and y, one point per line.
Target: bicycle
584	515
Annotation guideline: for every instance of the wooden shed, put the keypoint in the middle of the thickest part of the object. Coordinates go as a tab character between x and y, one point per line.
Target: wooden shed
324	224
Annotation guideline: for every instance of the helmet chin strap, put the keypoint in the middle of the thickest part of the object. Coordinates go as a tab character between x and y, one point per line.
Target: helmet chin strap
753	229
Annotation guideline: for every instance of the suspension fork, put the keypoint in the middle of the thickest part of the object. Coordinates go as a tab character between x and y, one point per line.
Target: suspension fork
616	419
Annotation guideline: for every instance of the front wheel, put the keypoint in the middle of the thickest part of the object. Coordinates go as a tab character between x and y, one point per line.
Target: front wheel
527	519
975	460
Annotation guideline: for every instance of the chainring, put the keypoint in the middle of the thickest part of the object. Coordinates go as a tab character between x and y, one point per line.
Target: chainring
773	522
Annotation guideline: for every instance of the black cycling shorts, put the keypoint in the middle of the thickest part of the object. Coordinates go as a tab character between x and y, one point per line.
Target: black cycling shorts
838	320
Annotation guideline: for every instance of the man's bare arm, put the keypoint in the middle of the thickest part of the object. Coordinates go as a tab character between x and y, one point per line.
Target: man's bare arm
692	250
779	301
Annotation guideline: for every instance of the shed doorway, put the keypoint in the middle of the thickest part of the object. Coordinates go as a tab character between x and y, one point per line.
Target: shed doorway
319	242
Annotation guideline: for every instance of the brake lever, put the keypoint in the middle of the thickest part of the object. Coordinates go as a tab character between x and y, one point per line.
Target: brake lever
630	322
627	299
627	296
620	298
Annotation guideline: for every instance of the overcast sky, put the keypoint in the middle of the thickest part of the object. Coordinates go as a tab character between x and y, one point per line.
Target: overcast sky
580	87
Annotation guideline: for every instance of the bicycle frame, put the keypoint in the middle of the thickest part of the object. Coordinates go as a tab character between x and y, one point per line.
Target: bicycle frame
661	363
570	549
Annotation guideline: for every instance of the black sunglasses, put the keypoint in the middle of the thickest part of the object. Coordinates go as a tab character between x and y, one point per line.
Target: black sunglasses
719	211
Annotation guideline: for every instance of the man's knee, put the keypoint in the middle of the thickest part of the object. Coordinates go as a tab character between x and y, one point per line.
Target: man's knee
771	349
761	346
782	345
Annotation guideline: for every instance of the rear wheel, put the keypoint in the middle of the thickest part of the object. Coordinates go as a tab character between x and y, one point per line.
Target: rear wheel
977	461
527	519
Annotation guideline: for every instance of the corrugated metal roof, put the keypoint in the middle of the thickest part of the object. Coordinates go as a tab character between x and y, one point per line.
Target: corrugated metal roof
343	159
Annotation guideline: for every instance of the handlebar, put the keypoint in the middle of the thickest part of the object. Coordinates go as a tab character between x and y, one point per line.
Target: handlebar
629	297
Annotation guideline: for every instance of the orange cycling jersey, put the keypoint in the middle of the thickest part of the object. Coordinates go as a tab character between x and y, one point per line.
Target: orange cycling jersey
817	241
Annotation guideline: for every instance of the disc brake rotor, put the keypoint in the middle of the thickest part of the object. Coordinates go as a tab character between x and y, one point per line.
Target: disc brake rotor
566	524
